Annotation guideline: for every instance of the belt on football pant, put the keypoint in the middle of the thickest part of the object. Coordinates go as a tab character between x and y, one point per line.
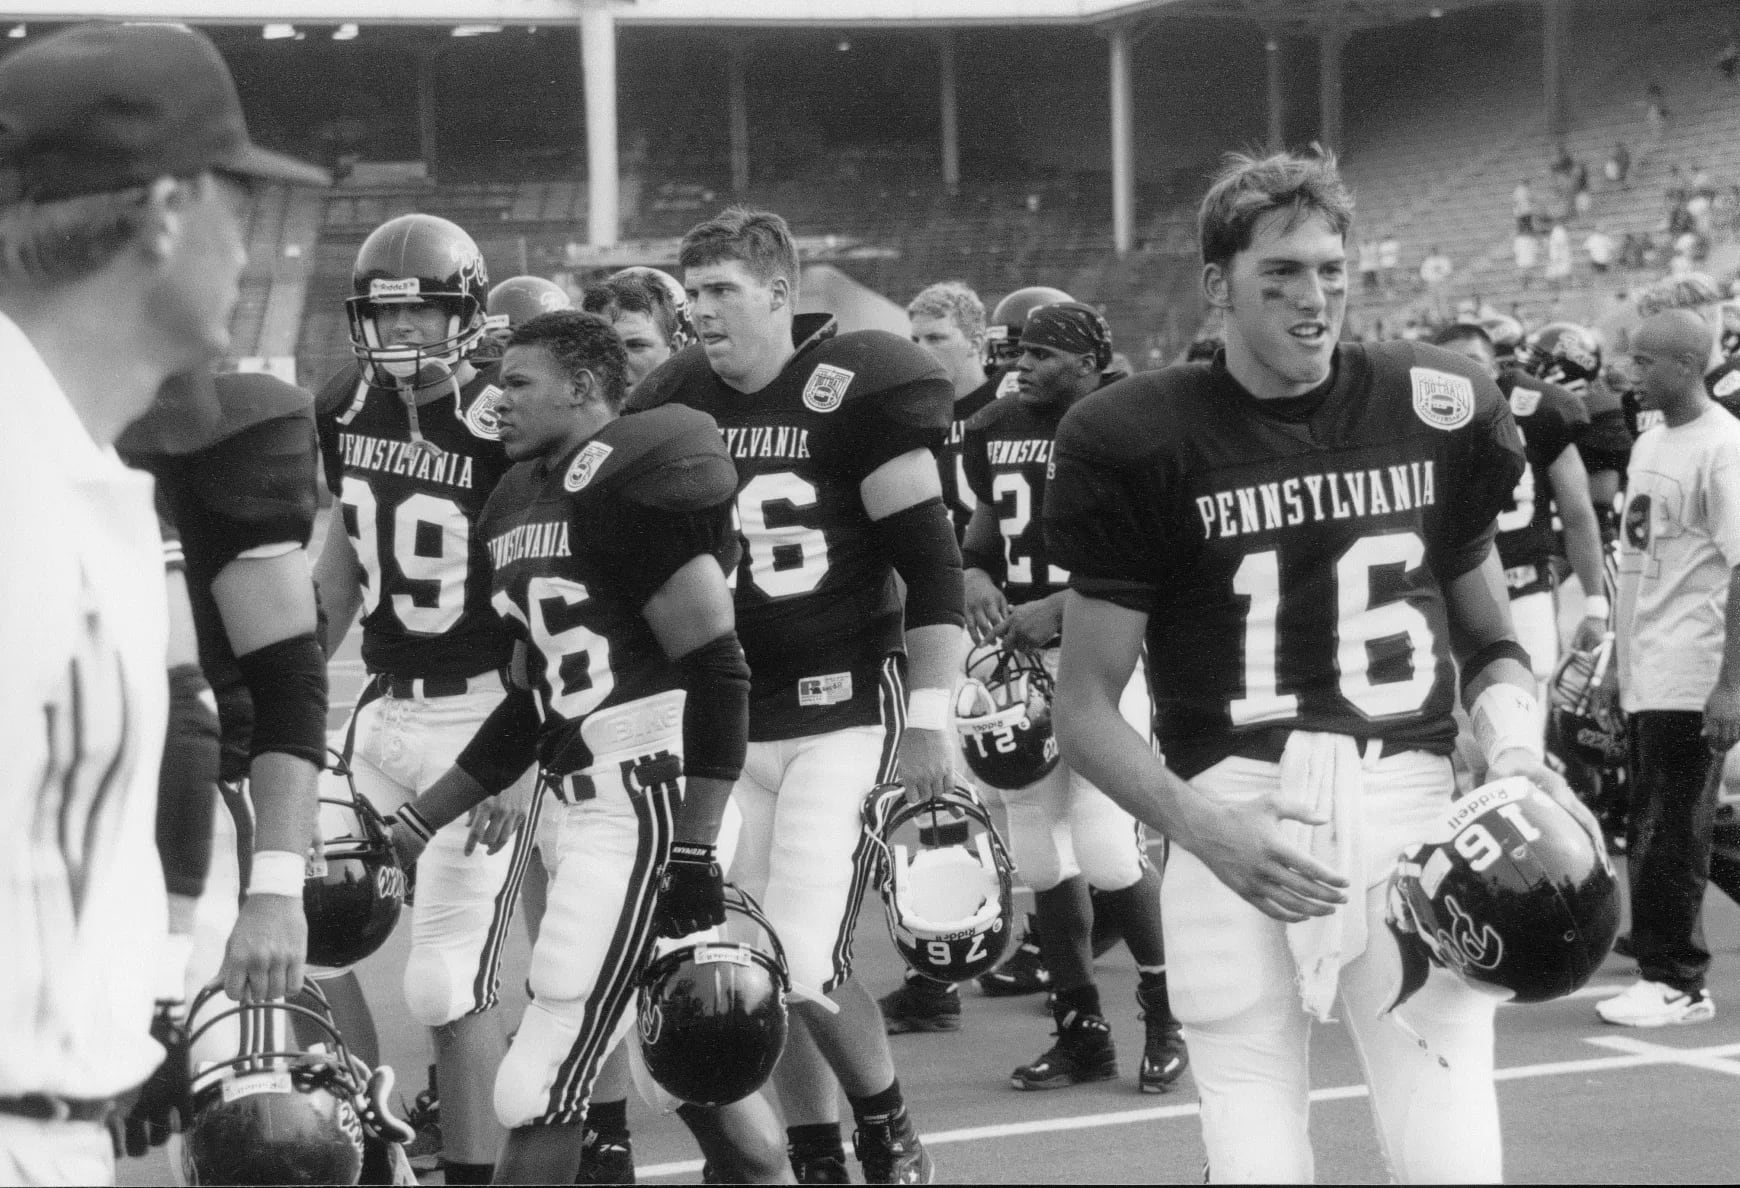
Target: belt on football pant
647	771
46	1107
1265	746
406	688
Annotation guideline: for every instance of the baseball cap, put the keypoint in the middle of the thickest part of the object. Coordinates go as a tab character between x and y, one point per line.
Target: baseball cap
103	107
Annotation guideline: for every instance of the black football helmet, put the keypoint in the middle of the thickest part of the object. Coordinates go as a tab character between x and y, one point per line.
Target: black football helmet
520	299
417	258
1563	353
1592	736
1009	319
1513	896
684	334
712	1018
1505	332
1003	711
272	1110
950	907
356	889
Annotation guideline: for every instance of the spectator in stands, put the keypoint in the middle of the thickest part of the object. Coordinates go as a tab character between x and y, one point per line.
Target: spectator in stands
1679	662
1728	61
1435	272
1581	198
1599	247
1389	259
1678	190
1655	112
1368	265
1522	205
1701	183
1525	248
1619	166
1724	209
1558	257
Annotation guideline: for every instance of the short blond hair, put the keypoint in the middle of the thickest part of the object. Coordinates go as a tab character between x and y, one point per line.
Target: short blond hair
954	300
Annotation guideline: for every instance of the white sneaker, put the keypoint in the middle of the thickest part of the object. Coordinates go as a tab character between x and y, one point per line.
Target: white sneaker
1652	1004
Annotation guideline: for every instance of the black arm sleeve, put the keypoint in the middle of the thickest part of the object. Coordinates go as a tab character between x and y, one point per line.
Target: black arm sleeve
716	713
920	542
287	681
187	783
505	745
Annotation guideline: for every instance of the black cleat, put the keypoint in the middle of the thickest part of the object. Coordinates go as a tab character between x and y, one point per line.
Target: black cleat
424	1116
1023	973
1083	1052
1164	1056
820	1169
606	1160
921	1004
891	1152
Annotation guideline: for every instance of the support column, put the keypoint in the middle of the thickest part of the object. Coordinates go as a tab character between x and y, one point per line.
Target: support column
1553	67
1123	141
737	101
1277	96
950	117
428	61
598	71
1330	44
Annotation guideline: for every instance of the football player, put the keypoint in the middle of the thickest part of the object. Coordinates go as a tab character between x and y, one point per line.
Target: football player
609	547
835	439
650	313
1065	833
520	299
1301	533
412	451
1554	481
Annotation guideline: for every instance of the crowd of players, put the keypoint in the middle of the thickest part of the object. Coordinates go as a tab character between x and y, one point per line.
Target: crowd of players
626	582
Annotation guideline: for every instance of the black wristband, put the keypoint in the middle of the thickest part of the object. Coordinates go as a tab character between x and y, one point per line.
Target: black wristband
1497	650
416	822
693	852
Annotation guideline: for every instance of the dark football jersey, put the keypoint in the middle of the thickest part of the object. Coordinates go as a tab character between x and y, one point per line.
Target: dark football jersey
957	491
250	486
412	515
1291	555
1723	385
1551	420
578	545
817	607
1007	452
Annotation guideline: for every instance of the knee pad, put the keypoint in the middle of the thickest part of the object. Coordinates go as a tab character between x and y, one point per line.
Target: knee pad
1110	858
528	1071
1039	845
438	987
1223	957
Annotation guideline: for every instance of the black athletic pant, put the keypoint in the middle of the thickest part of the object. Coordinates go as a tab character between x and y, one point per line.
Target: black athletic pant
1673	804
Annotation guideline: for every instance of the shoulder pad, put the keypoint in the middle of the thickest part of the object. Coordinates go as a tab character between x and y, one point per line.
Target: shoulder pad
671	457
248	399
680	379
1449	392
993	413
1129	419
876	362
336	393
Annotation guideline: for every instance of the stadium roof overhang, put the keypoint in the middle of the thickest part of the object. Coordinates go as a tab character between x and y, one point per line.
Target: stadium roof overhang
1274	15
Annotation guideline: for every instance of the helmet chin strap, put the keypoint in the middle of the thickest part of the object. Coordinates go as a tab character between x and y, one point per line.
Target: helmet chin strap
431	373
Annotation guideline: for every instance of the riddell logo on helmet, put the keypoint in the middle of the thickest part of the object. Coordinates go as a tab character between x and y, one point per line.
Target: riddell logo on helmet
409	288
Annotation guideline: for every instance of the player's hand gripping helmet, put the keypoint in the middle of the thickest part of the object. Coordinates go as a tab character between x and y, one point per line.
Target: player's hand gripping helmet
683	334
1563	353
950	907
520	299
1003	711
271	1110
1009	319
711	1021
355	890
1512	894
1578	728
414	259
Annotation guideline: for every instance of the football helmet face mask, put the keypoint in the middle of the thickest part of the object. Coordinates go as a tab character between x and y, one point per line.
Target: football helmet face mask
416	259
1563	353
1512	896
520	299
684	334
711	1020
271	1110
354	892
950	907
1003	711
1009	319
1591	735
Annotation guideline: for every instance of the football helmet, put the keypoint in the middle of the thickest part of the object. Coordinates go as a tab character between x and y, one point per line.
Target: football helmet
520	299
356	888
1505	332
1563	353
1591	735
277	1111
684	334
1511	894
1003	711
1009	319
417	258
950	908
712	1020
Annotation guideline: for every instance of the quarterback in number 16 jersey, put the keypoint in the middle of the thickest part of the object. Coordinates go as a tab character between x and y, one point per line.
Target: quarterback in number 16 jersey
817	608
578	546
1291	554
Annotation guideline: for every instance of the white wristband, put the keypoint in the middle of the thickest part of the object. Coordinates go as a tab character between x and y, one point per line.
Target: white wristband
1506	718
1596	606
277	872
928	709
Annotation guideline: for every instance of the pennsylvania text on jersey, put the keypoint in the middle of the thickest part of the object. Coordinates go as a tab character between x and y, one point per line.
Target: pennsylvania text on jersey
1332	495
400	457
546	539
